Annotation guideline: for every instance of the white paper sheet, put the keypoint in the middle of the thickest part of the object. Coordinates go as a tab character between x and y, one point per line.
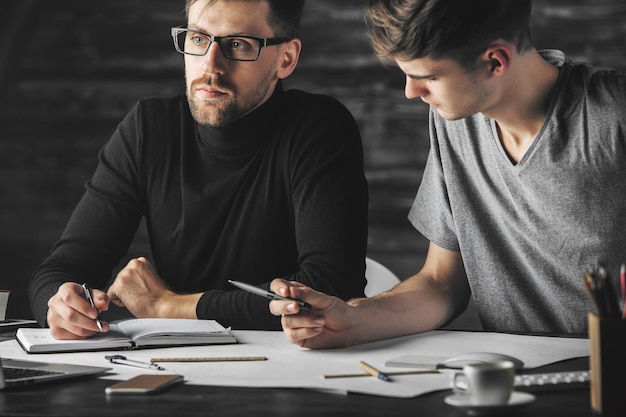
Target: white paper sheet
292	367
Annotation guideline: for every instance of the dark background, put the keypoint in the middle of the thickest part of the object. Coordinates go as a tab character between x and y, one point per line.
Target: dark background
71	69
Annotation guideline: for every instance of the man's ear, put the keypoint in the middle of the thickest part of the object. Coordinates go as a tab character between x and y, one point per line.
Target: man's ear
497	58
290	53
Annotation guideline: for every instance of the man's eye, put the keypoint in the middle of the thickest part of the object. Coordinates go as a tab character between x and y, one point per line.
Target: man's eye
198	40
239	45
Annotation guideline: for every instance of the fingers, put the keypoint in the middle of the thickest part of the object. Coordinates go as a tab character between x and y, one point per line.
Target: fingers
128	280
302	337
298	328
100	300
71	316
319	302
310	333
137	275
282	308
281	286
302	326
306	329
139	288
60	328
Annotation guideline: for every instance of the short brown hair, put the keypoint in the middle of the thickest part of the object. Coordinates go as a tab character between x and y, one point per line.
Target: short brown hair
284	16
454	29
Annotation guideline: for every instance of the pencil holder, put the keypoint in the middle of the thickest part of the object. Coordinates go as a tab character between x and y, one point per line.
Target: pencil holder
607	365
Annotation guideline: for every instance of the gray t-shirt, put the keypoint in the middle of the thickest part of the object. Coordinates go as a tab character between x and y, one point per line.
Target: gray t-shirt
527	232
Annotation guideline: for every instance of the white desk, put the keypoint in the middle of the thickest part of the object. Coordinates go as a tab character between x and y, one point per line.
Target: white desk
289	366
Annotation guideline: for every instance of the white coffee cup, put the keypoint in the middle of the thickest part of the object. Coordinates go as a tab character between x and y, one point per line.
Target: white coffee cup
487	384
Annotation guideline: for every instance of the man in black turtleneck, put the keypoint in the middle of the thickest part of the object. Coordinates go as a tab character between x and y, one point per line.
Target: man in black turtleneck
237	180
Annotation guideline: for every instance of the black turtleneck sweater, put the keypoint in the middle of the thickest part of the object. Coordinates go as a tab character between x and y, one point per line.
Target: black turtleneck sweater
280	192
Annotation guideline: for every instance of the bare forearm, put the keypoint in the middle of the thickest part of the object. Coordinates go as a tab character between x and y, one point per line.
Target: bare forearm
420	303
180	306
416	305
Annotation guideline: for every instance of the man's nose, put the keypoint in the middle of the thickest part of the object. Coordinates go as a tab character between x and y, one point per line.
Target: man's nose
414	89
213	60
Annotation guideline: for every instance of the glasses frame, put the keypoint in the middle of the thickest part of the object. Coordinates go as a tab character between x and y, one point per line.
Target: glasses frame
175	31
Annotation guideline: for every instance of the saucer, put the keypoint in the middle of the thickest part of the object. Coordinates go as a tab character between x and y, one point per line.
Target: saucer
464	401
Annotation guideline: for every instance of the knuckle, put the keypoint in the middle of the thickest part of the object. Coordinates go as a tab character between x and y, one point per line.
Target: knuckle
72	315
132	266
124	277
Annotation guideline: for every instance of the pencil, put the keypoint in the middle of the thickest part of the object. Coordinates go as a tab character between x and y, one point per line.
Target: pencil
590	285
416	372
622	279
212	359
374	372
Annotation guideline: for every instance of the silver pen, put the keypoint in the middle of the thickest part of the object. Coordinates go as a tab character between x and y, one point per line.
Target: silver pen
123	360
268	294
89	296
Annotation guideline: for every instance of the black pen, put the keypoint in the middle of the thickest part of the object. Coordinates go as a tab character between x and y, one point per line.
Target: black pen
89	296
268	294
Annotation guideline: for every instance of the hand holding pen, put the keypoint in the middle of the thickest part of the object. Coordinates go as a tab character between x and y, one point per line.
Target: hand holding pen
89	296
268	294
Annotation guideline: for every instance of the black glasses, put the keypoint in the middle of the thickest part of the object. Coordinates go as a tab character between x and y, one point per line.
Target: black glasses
237	48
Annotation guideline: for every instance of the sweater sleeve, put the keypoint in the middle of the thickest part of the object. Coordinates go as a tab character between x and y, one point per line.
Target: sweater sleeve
330	200
101	227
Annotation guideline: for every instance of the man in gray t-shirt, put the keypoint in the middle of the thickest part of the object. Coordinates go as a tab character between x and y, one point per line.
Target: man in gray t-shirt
523	188
528	229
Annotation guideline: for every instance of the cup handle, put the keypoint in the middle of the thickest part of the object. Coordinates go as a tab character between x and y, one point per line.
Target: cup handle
460	384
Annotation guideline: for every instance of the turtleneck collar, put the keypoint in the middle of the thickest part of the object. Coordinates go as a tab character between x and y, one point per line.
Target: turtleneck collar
245	134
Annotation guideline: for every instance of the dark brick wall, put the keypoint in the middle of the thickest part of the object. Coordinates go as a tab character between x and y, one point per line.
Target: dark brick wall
70	70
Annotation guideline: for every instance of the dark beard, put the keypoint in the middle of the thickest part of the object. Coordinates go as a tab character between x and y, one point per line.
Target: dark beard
222	113
215	117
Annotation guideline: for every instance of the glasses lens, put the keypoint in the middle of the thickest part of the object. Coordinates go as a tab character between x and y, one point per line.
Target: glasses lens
192	43
240	48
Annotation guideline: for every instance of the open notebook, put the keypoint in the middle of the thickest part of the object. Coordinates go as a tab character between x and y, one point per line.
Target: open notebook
16	372
131	334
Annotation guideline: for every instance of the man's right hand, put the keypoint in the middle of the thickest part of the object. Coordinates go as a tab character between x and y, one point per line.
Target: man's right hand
326	325
70	316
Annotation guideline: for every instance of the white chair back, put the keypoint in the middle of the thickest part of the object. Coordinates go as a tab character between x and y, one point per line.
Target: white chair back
379	278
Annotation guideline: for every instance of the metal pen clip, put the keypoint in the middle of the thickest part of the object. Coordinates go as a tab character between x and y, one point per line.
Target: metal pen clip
123	360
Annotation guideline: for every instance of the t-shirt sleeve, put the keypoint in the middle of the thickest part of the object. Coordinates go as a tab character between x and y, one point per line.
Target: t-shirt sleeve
431	212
